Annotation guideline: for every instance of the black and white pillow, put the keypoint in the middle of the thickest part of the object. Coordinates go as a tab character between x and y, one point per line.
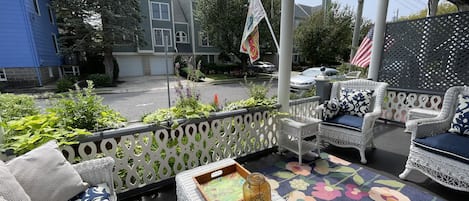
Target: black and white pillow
331	109
460	122
355	102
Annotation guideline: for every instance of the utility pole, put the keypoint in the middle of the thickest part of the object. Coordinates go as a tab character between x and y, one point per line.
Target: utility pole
325	8
356	29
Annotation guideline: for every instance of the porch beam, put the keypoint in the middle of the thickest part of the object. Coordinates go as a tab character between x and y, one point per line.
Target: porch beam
286	48
378	39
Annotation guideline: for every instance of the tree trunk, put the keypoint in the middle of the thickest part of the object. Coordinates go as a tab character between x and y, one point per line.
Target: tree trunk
108	63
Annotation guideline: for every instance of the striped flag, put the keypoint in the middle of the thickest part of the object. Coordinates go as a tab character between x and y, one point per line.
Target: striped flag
362	57
250	40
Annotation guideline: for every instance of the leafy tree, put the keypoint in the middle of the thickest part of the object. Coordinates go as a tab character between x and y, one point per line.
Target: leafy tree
224	23
327	40
444	8
98	25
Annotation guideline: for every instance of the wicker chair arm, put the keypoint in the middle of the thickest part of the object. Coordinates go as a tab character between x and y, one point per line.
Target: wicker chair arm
97	171
369	119
429	126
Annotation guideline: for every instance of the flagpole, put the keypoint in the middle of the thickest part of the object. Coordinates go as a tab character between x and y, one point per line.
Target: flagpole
272	32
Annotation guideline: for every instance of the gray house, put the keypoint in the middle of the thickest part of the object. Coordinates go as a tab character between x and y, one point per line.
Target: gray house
174	20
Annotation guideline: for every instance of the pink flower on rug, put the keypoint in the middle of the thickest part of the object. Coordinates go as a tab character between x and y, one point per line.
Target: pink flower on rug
297	168
354	193
386	194
325	191
338	160
299	196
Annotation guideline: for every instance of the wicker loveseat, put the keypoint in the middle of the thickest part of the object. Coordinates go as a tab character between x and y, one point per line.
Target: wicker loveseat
441	155
353	131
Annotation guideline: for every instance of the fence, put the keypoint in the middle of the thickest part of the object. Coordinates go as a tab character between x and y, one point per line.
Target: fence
147	154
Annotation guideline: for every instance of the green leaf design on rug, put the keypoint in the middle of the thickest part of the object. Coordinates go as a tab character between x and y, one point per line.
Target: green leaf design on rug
321	167
343	169
324	155
280	164
284	175
339	175
390	183
358	179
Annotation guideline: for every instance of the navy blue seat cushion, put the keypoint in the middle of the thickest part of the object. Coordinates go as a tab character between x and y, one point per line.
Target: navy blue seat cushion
346	121
452	145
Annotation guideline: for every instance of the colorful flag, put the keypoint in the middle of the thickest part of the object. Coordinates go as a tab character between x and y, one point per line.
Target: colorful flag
362	57
250	40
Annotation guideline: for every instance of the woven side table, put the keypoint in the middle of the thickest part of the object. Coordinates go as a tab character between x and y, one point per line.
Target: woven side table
294	130
186	190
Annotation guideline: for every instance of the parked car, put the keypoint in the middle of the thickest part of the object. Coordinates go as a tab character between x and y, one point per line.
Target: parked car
263	66
305	80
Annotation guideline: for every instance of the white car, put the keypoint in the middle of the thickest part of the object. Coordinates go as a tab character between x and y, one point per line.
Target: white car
305	80
263	66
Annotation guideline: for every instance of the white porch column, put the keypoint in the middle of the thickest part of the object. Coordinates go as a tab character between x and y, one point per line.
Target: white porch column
286	48
378	39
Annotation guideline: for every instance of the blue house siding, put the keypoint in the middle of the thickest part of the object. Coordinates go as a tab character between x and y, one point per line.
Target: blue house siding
15	43
43	30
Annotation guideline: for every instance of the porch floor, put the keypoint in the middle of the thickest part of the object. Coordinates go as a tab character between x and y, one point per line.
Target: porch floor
389	158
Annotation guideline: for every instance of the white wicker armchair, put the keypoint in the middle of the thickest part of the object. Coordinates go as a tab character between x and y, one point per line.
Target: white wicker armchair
98	171
361	137
442	166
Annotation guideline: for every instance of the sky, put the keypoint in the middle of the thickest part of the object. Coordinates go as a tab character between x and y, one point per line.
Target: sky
404	7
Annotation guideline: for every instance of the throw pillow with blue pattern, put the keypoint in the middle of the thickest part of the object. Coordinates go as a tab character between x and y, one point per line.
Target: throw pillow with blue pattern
355	102
101	192
331	109
460	122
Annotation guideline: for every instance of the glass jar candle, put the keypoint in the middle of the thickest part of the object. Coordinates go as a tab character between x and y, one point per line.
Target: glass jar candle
256	188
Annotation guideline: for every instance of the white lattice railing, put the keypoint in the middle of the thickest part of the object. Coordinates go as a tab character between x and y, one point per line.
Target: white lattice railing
147	154
305	107
397	103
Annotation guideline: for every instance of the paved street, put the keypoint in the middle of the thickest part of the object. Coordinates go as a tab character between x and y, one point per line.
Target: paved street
134	105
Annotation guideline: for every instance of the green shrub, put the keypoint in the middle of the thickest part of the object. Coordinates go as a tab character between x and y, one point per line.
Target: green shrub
64	84
190	74
100	80
257	97
188	106
14	107
84	109
29	132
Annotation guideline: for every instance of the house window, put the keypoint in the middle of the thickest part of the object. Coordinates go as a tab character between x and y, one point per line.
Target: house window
51	16
160	11
36	7
204	40
3	75
56	45
181	37
160	35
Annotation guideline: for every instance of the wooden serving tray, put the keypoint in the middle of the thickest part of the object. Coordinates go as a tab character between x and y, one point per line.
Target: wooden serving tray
225	183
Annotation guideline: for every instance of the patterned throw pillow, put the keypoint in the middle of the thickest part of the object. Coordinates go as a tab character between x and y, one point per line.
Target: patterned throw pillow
101	192
355	102
331	109
460	122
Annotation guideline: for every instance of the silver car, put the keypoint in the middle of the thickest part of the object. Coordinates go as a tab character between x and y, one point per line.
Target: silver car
263	66
305	80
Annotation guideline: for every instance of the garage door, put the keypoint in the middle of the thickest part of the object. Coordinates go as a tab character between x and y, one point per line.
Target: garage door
130	66
158	65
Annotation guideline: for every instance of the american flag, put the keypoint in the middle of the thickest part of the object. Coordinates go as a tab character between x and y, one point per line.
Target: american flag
362	57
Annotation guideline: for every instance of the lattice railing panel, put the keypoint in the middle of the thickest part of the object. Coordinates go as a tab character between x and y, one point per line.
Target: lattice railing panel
305	107
428	54
397	104
147	154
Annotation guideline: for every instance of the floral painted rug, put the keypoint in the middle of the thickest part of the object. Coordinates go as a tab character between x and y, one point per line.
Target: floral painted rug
332	178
